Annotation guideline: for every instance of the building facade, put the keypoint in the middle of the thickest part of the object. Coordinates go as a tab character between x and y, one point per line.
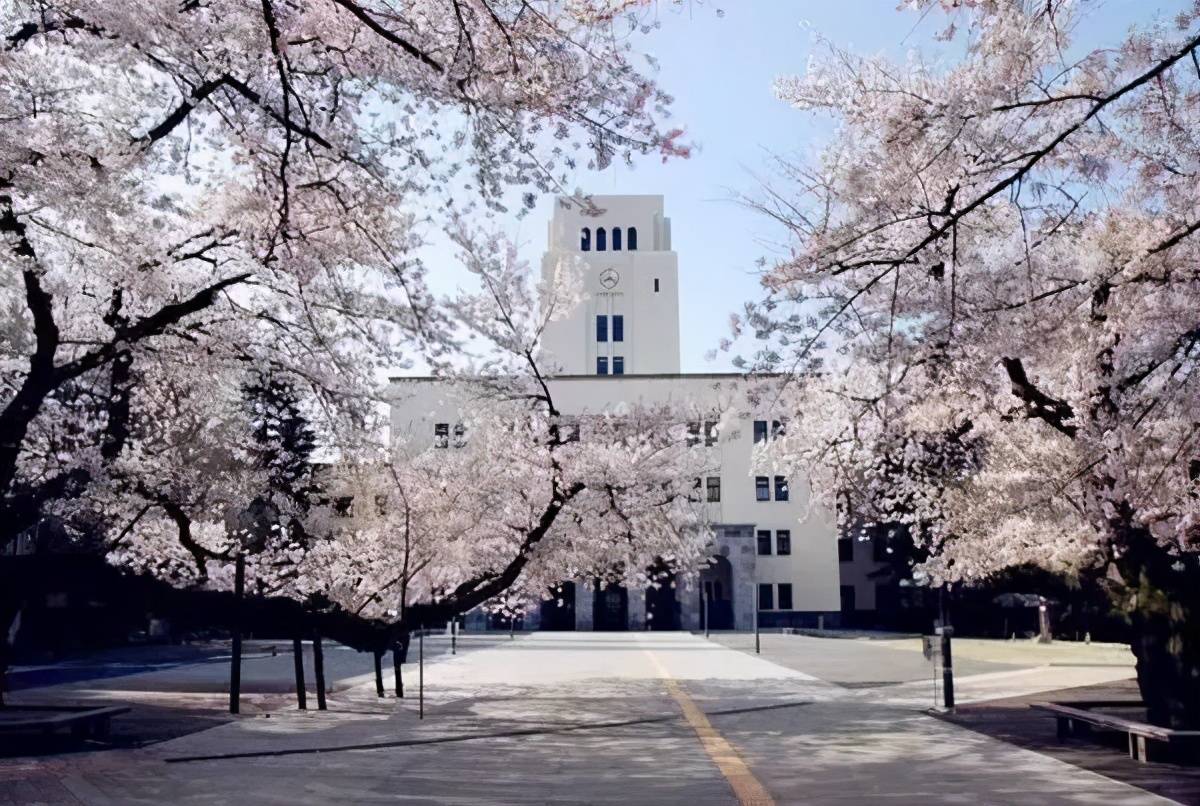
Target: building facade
773	555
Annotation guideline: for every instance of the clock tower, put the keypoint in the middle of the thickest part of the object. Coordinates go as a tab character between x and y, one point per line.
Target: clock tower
628	323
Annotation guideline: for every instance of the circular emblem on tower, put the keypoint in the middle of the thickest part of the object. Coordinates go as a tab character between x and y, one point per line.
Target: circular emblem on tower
609	278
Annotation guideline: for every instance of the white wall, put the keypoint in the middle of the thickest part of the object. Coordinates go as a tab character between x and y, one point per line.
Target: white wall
812	568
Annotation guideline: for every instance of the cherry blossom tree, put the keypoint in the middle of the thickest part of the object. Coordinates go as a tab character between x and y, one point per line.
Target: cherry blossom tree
1003	246
195	187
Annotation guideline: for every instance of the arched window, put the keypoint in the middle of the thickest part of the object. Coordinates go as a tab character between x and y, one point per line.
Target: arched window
585	240
631	241
616	239
601	239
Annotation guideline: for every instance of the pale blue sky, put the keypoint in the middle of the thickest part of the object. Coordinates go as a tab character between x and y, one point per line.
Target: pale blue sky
720	70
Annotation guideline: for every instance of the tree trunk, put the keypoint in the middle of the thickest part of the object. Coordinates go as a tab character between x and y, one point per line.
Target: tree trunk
1167	648
319	670
298	661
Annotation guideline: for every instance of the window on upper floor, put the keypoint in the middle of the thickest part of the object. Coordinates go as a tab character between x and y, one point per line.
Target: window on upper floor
760	431
441	435
783	542
460	435
693	434
585	240
762	488
601	239
766	597
631	241
764	542
618	365
710	433
781	488
845	549
618	327
655	285
776	429
714	489
602	365
785	596
601	327
616	239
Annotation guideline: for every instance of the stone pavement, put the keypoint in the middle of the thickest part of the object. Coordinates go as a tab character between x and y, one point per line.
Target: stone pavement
600	718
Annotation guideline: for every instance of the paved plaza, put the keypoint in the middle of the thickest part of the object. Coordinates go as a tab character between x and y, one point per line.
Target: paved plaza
580	718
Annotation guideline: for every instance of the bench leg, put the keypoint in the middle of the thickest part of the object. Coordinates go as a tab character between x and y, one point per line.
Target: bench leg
1137	748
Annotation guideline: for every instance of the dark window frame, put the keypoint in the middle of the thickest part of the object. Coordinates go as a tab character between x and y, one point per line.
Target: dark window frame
618	327
631	239
760	431
616	239
762	488
763	542
783	542
441	435
601	239
766	596
713	489
785	587
618	365
781	489
585	239
601	365
602	327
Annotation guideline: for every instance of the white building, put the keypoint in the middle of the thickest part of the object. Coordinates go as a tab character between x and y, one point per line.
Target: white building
621	345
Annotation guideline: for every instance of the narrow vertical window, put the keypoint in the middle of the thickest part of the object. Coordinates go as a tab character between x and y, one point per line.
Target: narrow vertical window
781	488
585	240
655	285
601	328
776	429
766	597
783	542
762	488
618	327
693	434
764	542
441	435
601	239
602	365
631	244
714	489
618	365
710	433
616	239
785	596
760	431
460	435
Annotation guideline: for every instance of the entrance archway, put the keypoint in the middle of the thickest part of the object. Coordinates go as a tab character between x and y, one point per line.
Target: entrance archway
610	608
662	604
716	581
558	613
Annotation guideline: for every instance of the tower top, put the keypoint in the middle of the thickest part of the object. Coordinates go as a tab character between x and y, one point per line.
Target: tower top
574	227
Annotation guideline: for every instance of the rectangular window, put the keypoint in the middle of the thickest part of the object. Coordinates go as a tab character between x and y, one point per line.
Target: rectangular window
781	489
760	431
776	429
618	327
766	597
845	549
602	365
783	542
785	596
441	435
693	434
460	435
601	328
714	489
762	489
764	542
618	365
655	285
710	434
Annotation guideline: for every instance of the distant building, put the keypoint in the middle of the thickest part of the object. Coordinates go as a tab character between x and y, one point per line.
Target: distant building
621	346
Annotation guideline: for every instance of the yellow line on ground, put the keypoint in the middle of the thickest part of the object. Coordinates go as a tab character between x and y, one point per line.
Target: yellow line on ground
748	790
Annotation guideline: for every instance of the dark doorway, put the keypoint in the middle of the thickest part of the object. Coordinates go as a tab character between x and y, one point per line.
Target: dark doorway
662	605
716	583
610	610
558	613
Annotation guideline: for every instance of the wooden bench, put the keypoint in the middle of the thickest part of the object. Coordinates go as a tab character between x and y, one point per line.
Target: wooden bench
83	721
1144	739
